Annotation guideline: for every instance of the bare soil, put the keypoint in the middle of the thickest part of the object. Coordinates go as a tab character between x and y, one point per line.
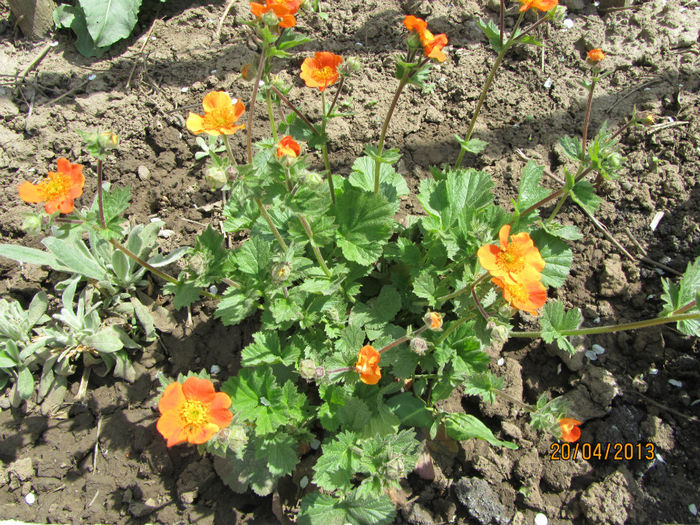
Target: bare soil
103	461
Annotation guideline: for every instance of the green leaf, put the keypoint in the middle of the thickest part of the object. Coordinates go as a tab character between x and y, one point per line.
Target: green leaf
73	253
474	146
236	305
554	320
568	232
484	385
324	509
114	202
280	453
557	258
531	192
676	297
583	194
571	147
391	184
410	410
389	156
365	223
24	254
492	33
25	383
110	20
185	293
465	426
266	349
354	415
72	17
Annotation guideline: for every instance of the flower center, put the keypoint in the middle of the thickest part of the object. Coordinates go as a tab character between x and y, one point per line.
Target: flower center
222	117
325	73
56	186
511	259
518	293
194	414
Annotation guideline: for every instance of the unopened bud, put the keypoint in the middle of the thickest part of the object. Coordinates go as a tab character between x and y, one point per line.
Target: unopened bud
499	333
433	320
216	177
649	120
307	369
270	19
312	179
332	314
196	264
108	140
395	468
281	272
320	372
32	224
351	66
414	41
419	345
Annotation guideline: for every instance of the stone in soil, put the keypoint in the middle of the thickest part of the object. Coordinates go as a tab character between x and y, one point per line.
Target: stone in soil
481	501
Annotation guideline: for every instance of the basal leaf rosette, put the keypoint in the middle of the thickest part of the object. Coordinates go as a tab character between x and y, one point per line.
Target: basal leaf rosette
192	412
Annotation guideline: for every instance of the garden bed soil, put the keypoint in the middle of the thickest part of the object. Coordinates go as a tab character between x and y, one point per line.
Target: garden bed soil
102	461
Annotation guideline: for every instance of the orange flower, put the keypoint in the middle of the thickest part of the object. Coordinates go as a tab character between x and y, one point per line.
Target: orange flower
569	429
433	320
542	5
58	189
528	296
220	115
368	365
192	412
284	9
288	147
322	70
516	261
432	44
595	55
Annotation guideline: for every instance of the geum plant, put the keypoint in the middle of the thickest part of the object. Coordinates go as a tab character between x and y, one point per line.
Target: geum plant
366	323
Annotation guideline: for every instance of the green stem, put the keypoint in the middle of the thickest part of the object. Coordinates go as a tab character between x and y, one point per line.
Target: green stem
587	118
324	148
485	89
453	327
229	151
317	252
452	295
251	109
291	106
385	126
337	93
615	328
100	204
685	308
403	339
271	115
267	218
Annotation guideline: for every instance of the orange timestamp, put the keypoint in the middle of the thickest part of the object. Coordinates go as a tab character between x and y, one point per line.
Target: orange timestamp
602	451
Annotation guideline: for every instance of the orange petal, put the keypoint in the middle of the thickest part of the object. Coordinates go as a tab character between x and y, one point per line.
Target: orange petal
179	436
288	21
503	235
29	192
169	424
238	109
203	434
216	99
488	256
63	165
51	207
230	130
77	183
257	9
199	389
195	123
65	205
172	398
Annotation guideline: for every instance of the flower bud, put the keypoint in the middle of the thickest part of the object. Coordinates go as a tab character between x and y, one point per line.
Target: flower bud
196	264
270	19
433	320
499	333
312	179
32	224
649	120
108	140
594	56
419	345
215	176
333	314
395	467
320	372
413	41
307	369
281	272
249	72
351	66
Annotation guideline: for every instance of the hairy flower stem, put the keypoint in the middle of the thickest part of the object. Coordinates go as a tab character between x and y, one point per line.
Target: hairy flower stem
502	21
100	204
487	85
271	115
267	218
615	328
587	118
229	151
317	252
324	147
685	308
291	106
153	269
522	405
454	294
251	109
385	126
337	93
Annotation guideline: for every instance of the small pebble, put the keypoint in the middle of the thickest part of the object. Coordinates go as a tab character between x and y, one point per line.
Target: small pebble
548	83
213	289
591	355
568	23
693	509
303	482
184	90
92	77
656	220
596	320
30	498
166	234
675	382
212	72
598	349
501	362
314	444
215	369
653	371
541	519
